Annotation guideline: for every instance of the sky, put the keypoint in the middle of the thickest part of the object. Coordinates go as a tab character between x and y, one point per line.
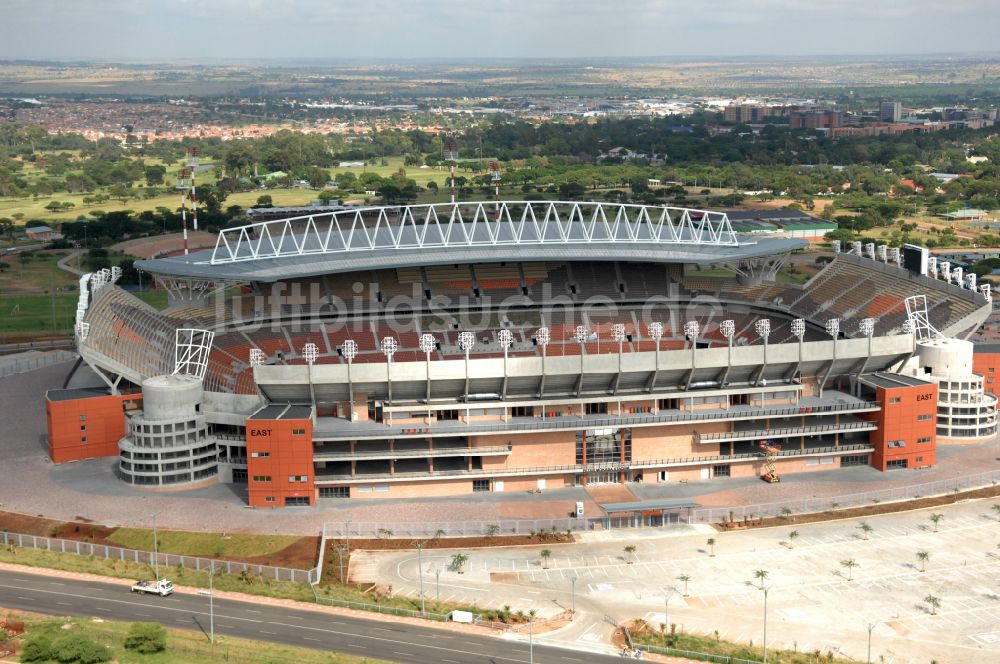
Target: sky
212	30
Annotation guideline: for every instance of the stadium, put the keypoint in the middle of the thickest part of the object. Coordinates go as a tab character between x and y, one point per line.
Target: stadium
447	349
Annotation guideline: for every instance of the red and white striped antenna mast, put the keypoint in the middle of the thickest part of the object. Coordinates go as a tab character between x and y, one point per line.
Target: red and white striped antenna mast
193	165
451	156
183	182
495	176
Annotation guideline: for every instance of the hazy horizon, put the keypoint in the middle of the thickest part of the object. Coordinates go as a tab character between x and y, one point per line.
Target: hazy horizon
143	31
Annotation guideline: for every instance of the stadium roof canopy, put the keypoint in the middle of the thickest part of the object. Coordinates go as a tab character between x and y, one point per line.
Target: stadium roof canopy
441	234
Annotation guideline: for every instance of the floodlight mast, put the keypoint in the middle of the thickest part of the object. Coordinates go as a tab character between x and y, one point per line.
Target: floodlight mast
728	330
799	330
542	337
466	340
310	352
763	329
581	334
618	334
389	346
505	337
349	349
655	330
428	344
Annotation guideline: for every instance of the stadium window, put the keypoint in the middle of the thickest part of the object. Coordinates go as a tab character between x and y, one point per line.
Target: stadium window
83	439
925	439
924	418
480	485
83	427
898	463
260	455
296	501
268	499
261	478
919	459
721	471
894	400
298	432
83	418
335	492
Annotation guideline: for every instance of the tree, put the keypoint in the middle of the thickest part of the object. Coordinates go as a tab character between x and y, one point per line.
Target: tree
684	578
154	174
458	562
264	200
629	553
865	528
78	649
120	192
711	546
792	536
849	565
922	558
934	603
761	575
545	554
7	227
936	519
37	648
146	638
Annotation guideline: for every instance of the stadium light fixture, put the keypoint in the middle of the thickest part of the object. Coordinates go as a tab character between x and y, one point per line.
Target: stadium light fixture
505	337
728	329
656	330
763	328
581	334
428	343
691	329
256	357
618	332
798	326
310	352
867	326
833	327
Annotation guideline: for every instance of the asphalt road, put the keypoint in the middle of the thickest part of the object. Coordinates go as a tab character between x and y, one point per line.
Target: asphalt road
356	636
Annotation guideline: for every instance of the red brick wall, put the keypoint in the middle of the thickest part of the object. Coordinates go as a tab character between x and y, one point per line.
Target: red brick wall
289	454
899	422
85	428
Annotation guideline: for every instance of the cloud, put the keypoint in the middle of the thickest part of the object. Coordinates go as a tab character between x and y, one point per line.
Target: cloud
395	29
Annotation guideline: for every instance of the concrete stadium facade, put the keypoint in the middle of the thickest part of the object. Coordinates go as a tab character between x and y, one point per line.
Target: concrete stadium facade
592	357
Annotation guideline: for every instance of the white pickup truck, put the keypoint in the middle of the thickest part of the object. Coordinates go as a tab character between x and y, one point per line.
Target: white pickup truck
163	587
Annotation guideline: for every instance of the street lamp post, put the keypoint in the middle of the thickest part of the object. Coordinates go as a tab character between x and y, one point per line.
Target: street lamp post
420	572
211	603
573	579
765	624
156	554
870	626
437	582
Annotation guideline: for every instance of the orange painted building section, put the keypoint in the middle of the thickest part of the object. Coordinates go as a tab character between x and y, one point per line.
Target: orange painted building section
988	365
280	461
84	424
907	427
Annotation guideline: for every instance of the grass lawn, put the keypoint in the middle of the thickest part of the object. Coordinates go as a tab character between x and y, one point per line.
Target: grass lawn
187	646
39	274
203	544
651	636
22	314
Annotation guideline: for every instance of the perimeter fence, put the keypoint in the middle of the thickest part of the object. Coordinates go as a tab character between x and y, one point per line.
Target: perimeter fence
164	560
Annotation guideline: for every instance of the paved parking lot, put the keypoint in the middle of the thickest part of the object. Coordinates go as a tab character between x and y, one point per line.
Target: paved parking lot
814	601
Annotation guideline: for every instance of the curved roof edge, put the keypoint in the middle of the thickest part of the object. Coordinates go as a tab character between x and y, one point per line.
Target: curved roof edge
197	265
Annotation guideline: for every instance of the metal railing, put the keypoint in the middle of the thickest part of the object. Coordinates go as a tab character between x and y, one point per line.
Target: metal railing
561	422
195	563
845	501
590	467
26	364
785	432
378	608
409	453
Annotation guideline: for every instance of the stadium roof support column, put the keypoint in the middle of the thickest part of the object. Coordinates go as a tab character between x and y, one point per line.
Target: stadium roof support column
506	338
428	344
349	350
867	328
